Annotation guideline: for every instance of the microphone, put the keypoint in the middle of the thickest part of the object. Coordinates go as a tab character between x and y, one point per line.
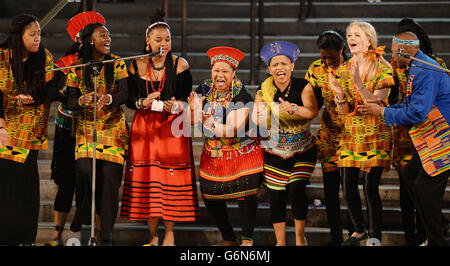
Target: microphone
402	54
155	54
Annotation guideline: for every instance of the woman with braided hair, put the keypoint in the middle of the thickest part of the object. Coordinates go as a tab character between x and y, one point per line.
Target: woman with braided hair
24	110
63	161
112	131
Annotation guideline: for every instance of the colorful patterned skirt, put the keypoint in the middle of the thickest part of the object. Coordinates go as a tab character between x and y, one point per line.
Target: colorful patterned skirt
160	175
278	172
327	141
366	142
233	175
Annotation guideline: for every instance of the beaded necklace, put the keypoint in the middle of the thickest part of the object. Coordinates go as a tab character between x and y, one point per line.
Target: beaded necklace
156	68
149	76
286	93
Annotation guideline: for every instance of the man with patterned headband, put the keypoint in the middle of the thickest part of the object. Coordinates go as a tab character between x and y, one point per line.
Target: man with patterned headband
426	110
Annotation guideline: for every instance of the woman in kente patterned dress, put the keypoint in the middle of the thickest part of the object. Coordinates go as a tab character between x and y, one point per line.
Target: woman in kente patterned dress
63	161
332	46
290	153
231	163
24	110
111	128
366	141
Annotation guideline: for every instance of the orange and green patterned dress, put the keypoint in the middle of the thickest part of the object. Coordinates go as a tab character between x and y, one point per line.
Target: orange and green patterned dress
332	123
26	125
366	140
112	130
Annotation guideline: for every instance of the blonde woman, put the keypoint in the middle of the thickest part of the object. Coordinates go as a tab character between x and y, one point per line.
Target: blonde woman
366	141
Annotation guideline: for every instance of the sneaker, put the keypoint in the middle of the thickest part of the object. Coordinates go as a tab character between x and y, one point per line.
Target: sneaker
424	244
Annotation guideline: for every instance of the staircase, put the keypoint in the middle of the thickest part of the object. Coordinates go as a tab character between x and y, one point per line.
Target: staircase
219	22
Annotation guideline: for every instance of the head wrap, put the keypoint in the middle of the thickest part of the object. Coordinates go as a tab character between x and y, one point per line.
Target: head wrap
229	55
77	23
405	42
279	48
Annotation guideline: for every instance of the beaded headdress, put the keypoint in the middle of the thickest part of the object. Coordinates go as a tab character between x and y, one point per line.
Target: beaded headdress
77	23
279	48
230	55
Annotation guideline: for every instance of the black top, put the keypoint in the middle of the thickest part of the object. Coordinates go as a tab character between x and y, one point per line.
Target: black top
295	93
137	86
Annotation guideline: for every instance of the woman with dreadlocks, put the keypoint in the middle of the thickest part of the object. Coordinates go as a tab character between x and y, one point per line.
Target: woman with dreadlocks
24	109
112	91
63	162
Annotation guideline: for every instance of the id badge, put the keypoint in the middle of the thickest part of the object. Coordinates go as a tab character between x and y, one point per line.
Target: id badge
157	106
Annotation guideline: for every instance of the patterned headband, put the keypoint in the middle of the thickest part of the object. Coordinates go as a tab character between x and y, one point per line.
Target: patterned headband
156	24
405	42
226	58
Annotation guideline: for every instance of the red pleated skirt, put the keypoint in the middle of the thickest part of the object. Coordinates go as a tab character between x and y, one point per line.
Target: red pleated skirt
160	174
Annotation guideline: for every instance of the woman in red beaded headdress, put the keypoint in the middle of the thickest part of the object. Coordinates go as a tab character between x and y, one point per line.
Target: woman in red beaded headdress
231	162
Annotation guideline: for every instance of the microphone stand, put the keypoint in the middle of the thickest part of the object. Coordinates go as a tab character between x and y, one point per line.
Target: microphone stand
94	65
414	58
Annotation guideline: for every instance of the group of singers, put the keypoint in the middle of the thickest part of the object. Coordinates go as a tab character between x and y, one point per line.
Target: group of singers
376	114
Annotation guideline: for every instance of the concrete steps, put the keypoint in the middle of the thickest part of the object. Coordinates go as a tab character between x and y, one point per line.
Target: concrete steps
137	235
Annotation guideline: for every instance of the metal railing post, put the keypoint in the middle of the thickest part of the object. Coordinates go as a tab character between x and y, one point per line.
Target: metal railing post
260	31
165	8
183	27
252	42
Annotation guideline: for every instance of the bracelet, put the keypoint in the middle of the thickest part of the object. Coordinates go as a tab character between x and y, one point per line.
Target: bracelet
110	99
294	109
79	101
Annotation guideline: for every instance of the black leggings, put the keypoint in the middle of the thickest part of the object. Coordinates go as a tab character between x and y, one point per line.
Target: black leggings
108	180
331	186
373	200
247	212
296	193
63	169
